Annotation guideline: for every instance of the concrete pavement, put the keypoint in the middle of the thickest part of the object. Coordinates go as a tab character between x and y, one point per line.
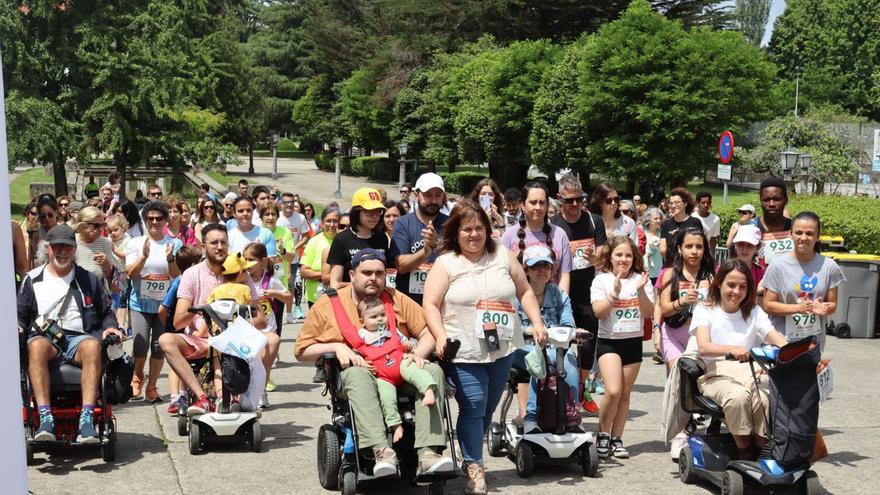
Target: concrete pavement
152	459
300	175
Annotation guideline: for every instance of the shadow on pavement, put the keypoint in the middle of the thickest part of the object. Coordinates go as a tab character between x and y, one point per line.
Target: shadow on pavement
845	458
298	405
130	448
296	387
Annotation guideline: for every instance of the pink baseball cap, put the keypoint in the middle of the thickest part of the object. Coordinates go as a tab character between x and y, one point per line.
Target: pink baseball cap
749	234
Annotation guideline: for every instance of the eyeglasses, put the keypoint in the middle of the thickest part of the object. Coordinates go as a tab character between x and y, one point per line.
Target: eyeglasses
404	191
48	214
309	209
96	225
611	201
576	199
155	219
675	203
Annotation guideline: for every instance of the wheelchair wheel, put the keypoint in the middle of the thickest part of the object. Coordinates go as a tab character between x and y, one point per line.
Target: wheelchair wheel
525	459
495	440
256	437
732	483
810	484
108	450
349	483
686	466
195	438
590	461
182	426
29	452
329	457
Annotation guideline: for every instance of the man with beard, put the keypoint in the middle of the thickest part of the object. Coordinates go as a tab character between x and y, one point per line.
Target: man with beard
63	310
196	285
414	241
321	333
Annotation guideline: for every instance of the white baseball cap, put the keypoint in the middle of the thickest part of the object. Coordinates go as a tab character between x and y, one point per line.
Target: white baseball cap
537	254
429	181
746	207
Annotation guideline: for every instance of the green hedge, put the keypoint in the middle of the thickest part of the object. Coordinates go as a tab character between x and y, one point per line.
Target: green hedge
327	161
284	153
855	219
461	183
376	167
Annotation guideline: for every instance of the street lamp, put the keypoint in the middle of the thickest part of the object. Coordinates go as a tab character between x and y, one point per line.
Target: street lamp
788	160
402	147
337	194
275	138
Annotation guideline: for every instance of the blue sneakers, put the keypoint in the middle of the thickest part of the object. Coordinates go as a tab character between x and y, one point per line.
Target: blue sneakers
46	432
87	432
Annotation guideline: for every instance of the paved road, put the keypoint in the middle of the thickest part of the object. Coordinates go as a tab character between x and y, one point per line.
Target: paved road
301	176
153	459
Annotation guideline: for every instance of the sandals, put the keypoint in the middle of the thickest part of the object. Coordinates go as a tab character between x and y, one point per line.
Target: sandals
153	395
136	392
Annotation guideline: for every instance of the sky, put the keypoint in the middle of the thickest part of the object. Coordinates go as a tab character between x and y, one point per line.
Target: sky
777	8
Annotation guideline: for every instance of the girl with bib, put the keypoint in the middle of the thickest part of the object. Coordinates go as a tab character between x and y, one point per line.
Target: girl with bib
622	296
273	295
800	288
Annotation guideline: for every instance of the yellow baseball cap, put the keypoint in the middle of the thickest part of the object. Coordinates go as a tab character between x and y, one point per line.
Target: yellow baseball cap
236	263
367	198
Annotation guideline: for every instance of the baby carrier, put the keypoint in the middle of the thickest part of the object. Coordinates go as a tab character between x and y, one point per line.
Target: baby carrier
387	357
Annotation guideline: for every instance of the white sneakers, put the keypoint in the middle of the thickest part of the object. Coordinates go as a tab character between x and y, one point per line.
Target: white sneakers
676	445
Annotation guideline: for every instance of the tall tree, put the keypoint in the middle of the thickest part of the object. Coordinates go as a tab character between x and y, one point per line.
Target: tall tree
654	97
751	18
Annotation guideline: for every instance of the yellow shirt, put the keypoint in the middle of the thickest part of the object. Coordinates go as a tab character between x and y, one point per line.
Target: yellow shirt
240	293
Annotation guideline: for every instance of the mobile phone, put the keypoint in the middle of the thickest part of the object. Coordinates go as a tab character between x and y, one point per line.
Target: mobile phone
485	202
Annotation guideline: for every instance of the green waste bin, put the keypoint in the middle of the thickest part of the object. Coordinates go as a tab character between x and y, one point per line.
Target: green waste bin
856	314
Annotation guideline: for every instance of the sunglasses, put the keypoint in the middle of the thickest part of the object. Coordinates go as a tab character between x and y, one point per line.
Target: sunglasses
273	196
33	213
64	205
96	226
404	191
155	219
209	207
287	203
228	205
50	214
744	212
611	201
576	199
625	212
343	226
156	194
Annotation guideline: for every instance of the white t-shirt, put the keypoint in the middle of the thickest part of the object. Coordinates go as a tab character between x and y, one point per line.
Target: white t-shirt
155	267
51	290
625	320
730	328
238	239
273	284
297	224
711	224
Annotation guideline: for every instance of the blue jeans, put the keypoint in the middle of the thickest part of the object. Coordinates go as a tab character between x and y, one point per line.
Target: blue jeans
478	389
572	376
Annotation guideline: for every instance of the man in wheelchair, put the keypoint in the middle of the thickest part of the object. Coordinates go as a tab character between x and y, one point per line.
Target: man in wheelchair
65	314
321	333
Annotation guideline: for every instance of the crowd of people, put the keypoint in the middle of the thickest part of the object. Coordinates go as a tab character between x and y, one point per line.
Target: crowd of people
390	282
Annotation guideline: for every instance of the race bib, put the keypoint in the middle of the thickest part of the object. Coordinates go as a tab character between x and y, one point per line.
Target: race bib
578	249
319	290
502	314
685	285
799	326
775	244
417	278
391	278
278	267
625	316
266	306
826	383
154	290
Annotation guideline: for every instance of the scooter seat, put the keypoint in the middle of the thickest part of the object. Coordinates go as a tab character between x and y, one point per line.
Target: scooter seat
65	378
692	400
519	375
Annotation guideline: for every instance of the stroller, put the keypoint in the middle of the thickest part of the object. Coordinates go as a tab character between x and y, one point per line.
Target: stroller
225	422
792	425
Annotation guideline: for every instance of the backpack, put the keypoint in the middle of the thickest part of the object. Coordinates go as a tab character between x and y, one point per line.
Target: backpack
119	375
547	414
236	374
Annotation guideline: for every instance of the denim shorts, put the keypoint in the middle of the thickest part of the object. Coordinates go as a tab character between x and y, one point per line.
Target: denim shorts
67	347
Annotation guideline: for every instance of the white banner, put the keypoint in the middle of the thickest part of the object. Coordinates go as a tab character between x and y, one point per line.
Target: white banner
13	469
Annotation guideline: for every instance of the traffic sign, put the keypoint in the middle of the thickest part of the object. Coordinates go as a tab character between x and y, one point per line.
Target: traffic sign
725	147
724	171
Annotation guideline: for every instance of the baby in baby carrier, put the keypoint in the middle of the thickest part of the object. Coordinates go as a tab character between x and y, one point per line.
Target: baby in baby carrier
385	348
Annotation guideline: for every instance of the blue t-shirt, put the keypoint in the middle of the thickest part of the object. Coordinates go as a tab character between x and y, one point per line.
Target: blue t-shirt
407	239
238	239
170	303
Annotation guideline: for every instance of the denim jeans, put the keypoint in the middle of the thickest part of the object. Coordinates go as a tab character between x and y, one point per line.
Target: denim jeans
572	376
478	389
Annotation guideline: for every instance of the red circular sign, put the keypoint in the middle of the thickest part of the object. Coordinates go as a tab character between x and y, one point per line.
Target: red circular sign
725	147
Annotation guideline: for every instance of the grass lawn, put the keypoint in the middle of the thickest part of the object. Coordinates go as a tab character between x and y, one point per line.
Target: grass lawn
736	197
20	190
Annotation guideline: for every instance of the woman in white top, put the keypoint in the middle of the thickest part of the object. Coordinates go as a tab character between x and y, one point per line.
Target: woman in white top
728	324
606	202
622	296
470	296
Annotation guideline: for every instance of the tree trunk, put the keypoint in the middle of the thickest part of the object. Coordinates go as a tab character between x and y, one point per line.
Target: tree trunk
250	159
60	174
451	167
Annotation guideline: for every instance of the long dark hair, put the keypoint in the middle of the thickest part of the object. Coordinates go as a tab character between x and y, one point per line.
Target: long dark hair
730	265
547	229
707	262
813	217
463	211
598	197
499	198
